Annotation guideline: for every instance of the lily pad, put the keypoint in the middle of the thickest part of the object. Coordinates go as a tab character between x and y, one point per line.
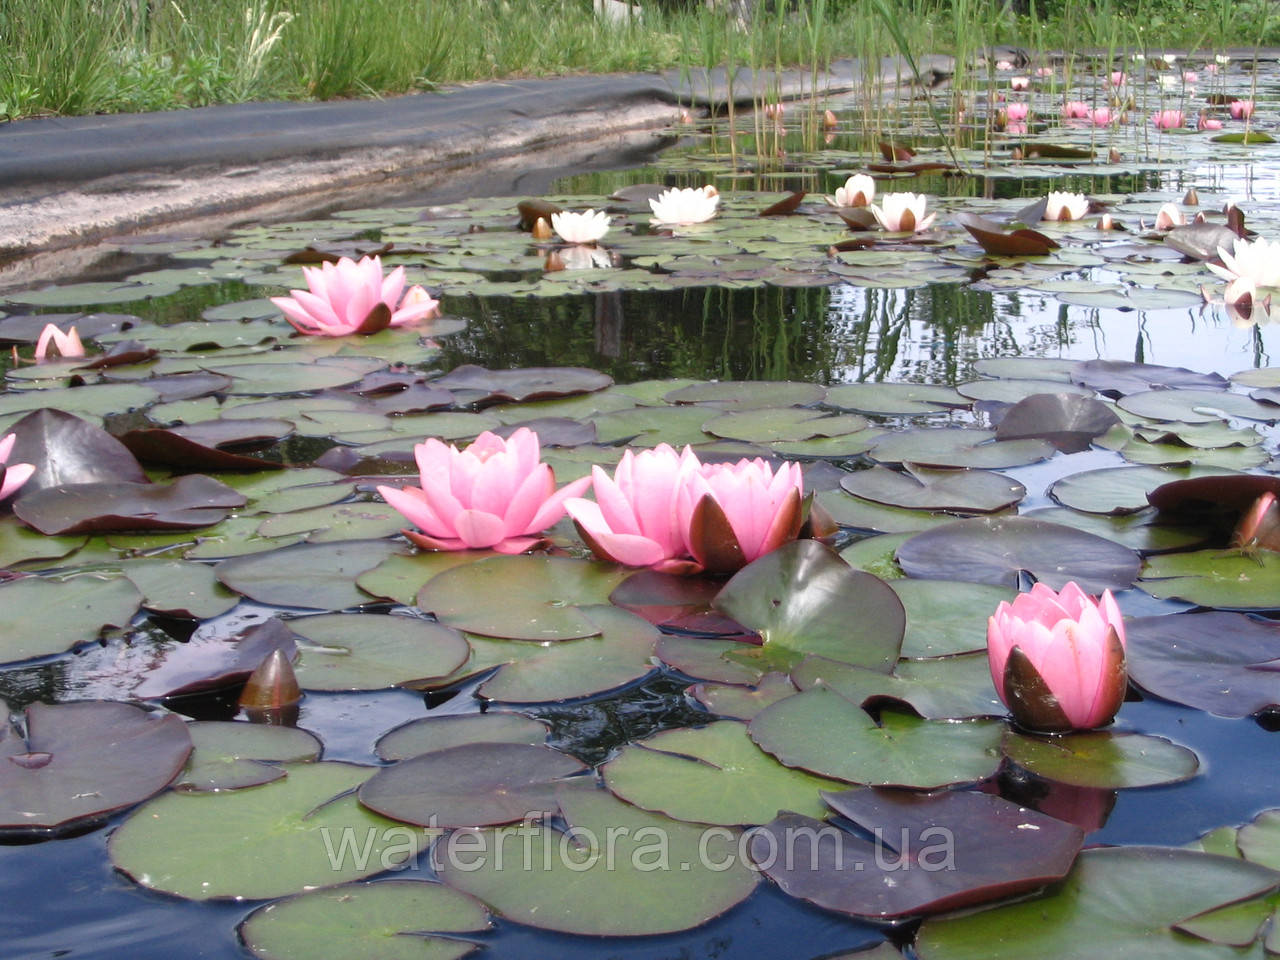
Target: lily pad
391	920
749	395
929	854
968	491
1224	663
942	688
850	511
264	842
209	661
578	888
188	503
743	702
369	652
711	774
900	399
946	617
1197	406
428	734
1067	421
1099	758
530	383
179	588
958	447
1116	490
803	599
900	750
1135	531
540	596
999	550
68	613
471	785
81	761
1119	378
1116	902
340	521
230	755
1214	578
315	575
66	450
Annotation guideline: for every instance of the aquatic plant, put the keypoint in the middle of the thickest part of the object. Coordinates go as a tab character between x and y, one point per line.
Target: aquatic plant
1066	206
52	339
350	297
902	213
12	475
685	206
586	227
858	191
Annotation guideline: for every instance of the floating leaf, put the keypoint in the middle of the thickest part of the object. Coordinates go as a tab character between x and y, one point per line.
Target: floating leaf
958	447
930	853
229	754
315	575
1118	378
1067	421
187	503
368	652
1114	490
519	386
999	550
1197	406
946	617
711	774
580	890
201	446
179	588
69	613
66	450
749	394
268	841
899	751
904	399
1099	758
391	920
1215	578
942	688
428	734
471	785
743	702
81	761
968	491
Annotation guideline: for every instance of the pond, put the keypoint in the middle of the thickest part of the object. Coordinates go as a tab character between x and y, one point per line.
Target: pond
207	493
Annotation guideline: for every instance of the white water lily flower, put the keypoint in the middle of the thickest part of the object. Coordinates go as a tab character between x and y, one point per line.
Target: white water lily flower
902	213
585	227
689	205
1257	260
1221	59
858	191
1066	206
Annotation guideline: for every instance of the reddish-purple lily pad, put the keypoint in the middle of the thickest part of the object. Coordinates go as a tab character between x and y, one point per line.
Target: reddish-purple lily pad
84	760
207	661
1000	550
481	386
67	450
188	503
931	853
471	785
1068	421
1225	663
205	446
1118	378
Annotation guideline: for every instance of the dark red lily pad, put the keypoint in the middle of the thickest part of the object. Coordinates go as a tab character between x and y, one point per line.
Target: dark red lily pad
786	205
1225	663
207	661
999	242
67	450
1069	421
931	853
122	353
554	431
481	386
471	785
1118	378
1196	496
1000	549
188	503
204	446
83	760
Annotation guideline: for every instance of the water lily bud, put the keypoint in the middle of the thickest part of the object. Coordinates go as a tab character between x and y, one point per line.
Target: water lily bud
1191	198
829	119
1058	659
1105	222
272	685
542	230
1259	528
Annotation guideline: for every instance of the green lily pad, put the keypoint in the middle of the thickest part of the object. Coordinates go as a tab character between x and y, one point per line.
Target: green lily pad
946	617
1135	531
901	750
471	785
803	599
21	544
428	734
297	489
749	394
69	613
771	424
875	555
540	596
1215	578
711	774
895	399
850	511
391	920
268	841
341	521
965	491
578	888
998	550
942	688
180	588
1116	902
958	447
315	575
1197	406
739	702
81	761
230	754
1012	391
1116	490
650	426
368	652
265	379
1099	758
709	658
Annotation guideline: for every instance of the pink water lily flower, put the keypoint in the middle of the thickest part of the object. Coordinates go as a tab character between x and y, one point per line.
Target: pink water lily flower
1205	122
1240	109
733	513
1102	117
634	519
1058	658
1075	110
496	493
350	297
12	475
902	213
1117	78
1168	119
66	345
1017	111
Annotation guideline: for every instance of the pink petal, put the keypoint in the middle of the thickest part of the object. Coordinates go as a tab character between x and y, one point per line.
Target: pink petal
6	446
553	508
16	474
411	502
478	529
392	286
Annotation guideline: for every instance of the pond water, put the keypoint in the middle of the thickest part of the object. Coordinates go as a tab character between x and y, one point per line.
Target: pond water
742	298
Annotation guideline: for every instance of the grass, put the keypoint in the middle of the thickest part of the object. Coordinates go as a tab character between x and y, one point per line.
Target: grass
92	56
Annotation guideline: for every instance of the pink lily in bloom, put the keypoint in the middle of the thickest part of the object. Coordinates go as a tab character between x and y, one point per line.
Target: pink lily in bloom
350	297
496	493
1044	71
1117	78
733	513
12	475
1019	83
1189	76
1057	659
1075	110
1017	112
1102	117
1168	119
1259	528
1205	122
634	519
1015	126
1004	65
66	345
1240	109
